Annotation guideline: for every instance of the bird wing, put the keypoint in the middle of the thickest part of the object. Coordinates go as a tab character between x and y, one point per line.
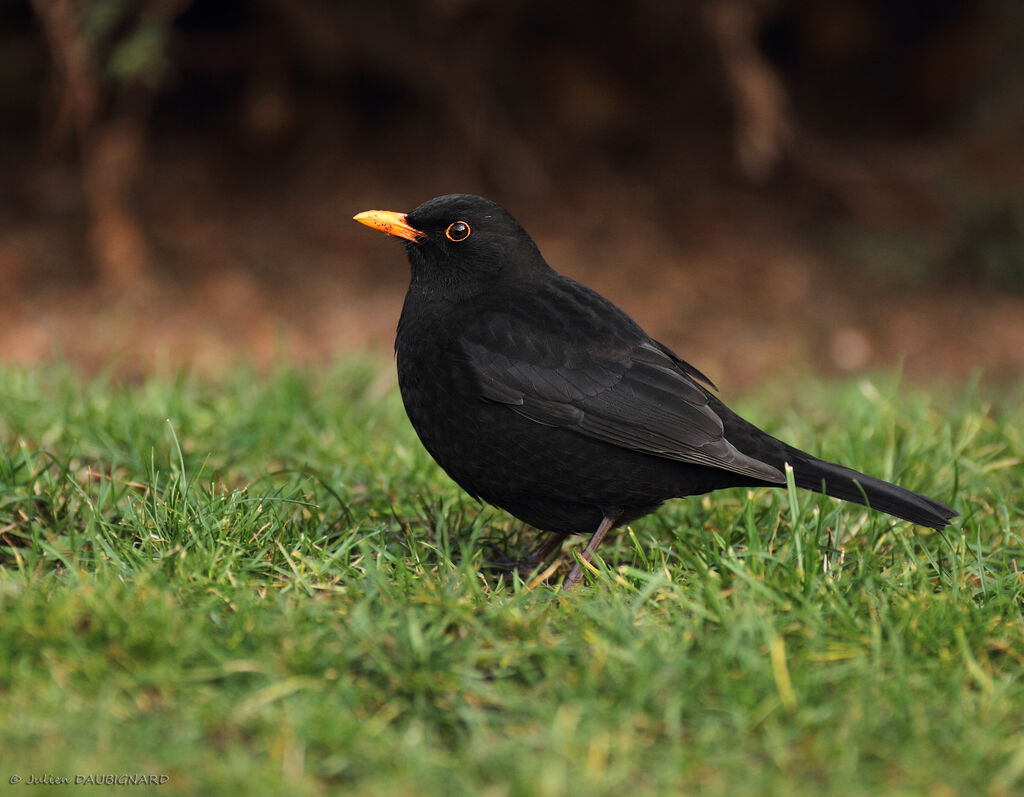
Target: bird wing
638	396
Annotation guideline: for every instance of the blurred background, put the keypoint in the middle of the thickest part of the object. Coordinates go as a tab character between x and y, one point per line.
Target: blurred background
767	185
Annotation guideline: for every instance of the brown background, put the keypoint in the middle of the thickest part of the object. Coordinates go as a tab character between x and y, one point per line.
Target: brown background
765	186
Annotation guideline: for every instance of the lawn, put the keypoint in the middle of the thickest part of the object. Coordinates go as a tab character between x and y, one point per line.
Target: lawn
261	584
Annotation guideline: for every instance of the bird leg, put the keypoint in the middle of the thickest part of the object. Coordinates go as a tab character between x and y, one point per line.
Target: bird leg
541	554
529	563
576	574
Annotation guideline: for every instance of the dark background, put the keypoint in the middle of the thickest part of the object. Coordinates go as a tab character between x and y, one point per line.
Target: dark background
766	186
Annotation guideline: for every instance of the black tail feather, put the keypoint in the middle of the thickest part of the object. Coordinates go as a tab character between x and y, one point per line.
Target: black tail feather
849	485
810	473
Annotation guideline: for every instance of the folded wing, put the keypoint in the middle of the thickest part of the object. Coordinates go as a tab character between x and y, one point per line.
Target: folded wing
638	397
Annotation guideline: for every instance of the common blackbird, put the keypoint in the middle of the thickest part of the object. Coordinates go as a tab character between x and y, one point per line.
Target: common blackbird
540	396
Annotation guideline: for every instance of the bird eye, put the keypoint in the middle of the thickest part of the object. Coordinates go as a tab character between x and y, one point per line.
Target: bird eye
459	231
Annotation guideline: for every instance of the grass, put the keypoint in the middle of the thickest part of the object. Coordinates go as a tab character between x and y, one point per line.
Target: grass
264	586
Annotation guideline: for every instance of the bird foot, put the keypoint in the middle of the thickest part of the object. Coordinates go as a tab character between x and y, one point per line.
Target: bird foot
503	563
528	565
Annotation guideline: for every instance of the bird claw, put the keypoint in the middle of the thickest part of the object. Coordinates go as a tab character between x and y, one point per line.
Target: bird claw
526	566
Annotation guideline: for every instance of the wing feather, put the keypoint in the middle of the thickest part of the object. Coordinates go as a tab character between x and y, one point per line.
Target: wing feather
640	397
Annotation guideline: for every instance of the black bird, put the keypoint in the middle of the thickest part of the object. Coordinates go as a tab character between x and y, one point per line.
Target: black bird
540	396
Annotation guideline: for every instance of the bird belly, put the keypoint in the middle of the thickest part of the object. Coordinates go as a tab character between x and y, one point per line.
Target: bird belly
555	479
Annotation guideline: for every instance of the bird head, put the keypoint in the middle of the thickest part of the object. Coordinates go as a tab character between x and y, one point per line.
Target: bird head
460	242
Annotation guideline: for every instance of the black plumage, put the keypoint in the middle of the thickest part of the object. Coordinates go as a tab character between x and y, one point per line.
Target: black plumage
538	395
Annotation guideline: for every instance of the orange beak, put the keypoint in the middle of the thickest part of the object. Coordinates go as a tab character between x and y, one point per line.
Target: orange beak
390	222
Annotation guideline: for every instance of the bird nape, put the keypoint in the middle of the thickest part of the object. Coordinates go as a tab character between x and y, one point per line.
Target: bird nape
538	395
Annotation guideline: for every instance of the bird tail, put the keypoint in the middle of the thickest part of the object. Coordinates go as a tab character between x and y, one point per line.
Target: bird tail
836	481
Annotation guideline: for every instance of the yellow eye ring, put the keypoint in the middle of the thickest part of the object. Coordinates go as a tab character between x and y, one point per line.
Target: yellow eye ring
457	231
